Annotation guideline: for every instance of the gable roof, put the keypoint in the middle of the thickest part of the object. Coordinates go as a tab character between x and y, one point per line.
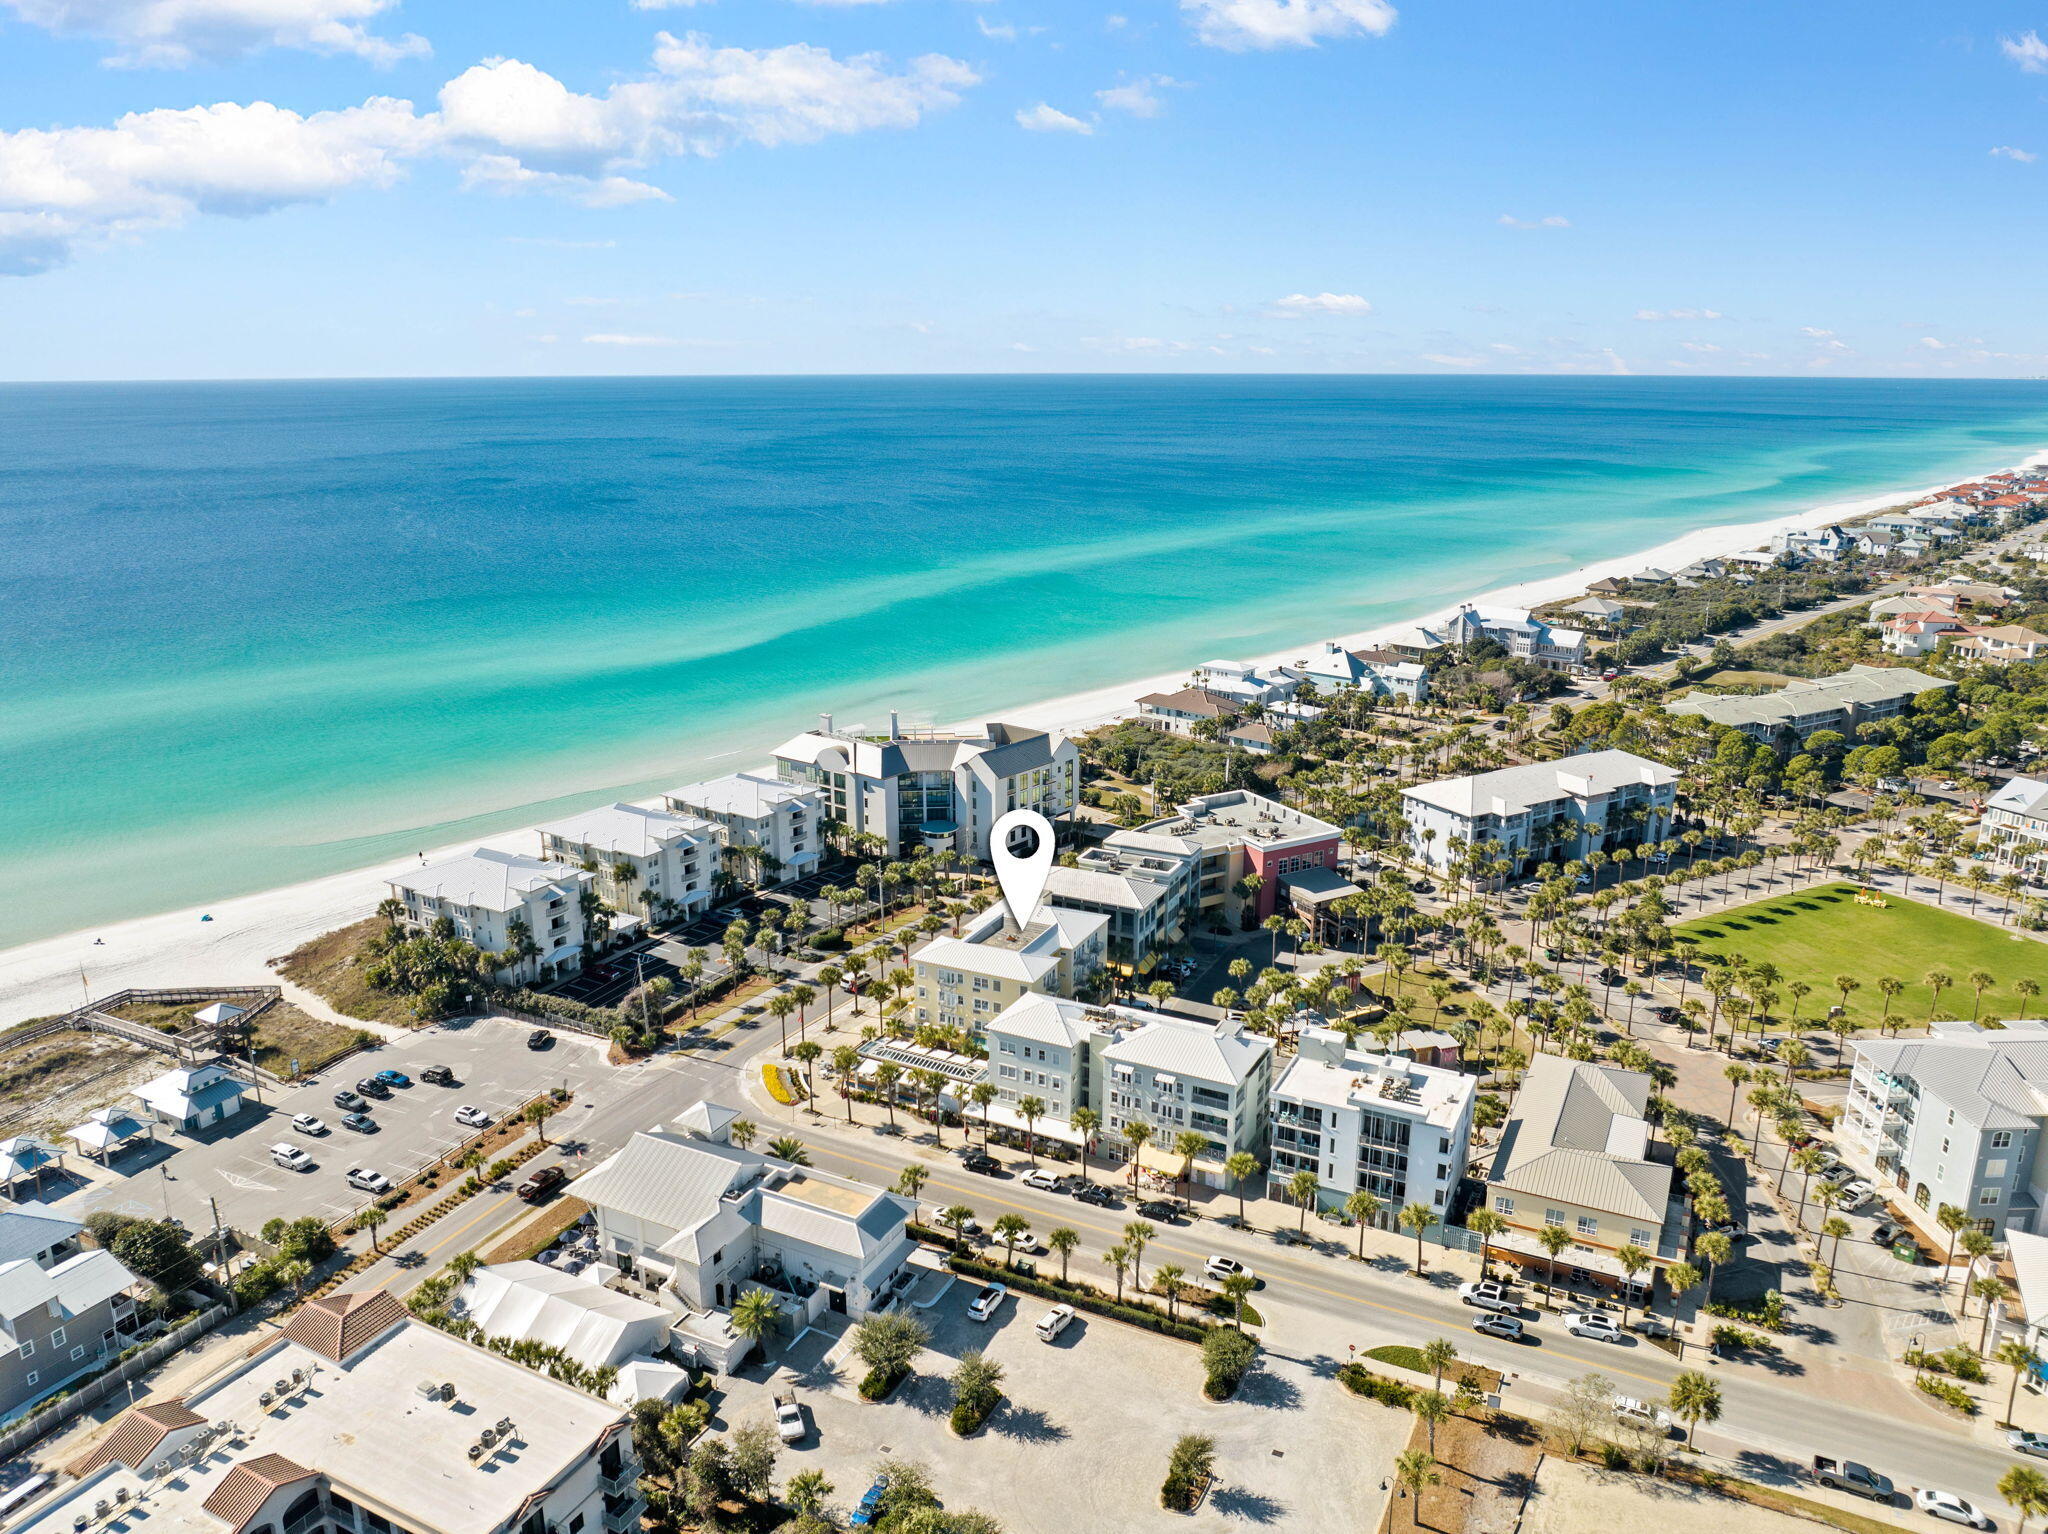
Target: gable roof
248	1485
665	1179
137	1434
1579	1136
337	1326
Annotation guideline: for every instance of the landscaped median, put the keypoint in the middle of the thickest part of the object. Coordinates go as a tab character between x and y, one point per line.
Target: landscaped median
468	1159
1082	1297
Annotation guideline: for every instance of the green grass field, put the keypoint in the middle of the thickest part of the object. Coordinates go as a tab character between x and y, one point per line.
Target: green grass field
1821	933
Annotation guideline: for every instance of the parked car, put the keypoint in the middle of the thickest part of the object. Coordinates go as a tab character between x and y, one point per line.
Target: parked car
1054	1321
292	1158
370	1086
1101	1197
349	1100
1026	1241
541	1184
1220	1268
2024	1441
361	1123
1950	1508
540	1038
1161	1209
369	1181
308	1124
1039	1177
1488	1294
789	1417
394	1078
1847	1475
1643	1413
985	1166
984	1304
473	1117
1884	1234
1507	1328
439	1075
1593	1325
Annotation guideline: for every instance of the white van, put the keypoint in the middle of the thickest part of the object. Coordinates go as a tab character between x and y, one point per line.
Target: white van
292	1158
1054	1321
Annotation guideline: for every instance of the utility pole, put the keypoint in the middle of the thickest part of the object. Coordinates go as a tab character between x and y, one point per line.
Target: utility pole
220	1249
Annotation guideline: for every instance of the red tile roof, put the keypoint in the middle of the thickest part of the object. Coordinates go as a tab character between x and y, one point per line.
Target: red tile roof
136	1435
247	1486
337	1326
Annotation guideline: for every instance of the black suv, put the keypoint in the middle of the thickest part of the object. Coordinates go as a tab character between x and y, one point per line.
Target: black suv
439	1075
1094	1193
1159	1209
370	1086
987	1166
540	1038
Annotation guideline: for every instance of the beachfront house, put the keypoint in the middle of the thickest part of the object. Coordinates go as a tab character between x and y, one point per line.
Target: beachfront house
1376	1123
771	829
1602	613
64	1309
1514	629
2015	829
1383	673
654	862
962	982
526	911
1243	683
1559	810
1181	711
1999	646
933	790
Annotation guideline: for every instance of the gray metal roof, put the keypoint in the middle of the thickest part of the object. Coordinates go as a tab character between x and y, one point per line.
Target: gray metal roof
1578	1135
1994	1079
665	1179
24	1233
1859	686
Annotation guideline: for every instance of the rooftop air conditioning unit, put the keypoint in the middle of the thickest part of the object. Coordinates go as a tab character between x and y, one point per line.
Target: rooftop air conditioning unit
476	1452
488	1438
504	1427
264	1400
163	1467
299	1377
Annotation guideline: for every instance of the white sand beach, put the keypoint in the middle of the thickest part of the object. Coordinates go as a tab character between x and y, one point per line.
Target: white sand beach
230	942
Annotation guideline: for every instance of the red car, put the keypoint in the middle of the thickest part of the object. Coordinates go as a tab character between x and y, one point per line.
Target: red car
541	1184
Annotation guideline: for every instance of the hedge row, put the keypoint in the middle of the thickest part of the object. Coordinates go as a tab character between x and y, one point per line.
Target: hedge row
876	1384
1081	1297
1361	1381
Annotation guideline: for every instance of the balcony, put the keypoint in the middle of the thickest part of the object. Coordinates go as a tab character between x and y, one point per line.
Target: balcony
622	1482
622	1514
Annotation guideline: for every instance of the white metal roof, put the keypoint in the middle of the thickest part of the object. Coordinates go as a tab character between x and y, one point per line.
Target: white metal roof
1515	790
489	879
630	830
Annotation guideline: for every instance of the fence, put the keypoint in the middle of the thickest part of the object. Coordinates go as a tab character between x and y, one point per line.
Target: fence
98	1017
547	1020
34	1428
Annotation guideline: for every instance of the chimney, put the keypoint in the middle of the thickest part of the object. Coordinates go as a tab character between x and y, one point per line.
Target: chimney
824	724
895	730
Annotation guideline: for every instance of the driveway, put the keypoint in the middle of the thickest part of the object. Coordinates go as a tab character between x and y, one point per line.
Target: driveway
1046	1452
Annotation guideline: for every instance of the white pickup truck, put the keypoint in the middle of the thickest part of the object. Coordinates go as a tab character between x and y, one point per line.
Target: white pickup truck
789	1417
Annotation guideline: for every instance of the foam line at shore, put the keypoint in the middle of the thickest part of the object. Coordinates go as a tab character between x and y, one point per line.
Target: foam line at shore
177	948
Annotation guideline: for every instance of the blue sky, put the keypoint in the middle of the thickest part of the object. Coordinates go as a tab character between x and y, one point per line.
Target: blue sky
253	188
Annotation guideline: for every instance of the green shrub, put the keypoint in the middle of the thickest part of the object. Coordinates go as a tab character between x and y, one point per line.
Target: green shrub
1948	1394
1228	1355
1361	1381
1770	1314
968	1416
877	1383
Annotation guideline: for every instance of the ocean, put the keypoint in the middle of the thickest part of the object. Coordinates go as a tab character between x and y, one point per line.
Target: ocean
256	633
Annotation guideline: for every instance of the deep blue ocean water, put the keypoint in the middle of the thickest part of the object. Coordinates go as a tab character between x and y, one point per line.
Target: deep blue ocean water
253	633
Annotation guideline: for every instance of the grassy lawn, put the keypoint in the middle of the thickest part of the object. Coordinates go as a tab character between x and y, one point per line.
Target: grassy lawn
330	966
1404	1357
285	1034
1821	933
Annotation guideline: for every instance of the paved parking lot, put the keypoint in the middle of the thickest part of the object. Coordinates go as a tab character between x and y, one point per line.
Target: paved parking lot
1088	1423
232	1165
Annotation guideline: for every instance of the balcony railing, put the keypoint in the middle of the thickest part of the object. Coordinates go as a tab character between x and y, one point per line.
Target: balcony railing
622	1516
624	1480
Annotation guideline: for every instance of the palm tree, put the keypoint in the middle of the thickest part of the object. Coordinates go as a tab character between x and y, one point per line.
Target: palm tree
910	1183
2019	1358
1955	1221
1119	1258
1414	1470
1086	1122
1136	1234
1438	1355
369	1220
1063	1239
1430	1408
1010	1230
755	1314
1486	1224
1363	1209
1737	1074
1302	1187
1138	1134
2025	1489
1031	1109
1936	981
789	1148
1187	1145
805	1492
1714	1248
983	1093
1695	1398
955	1218
1417	1217
1633	1259
1241	1168
887	1074
1237	1286
1553	1239
1979	981
1166	1278
1889	987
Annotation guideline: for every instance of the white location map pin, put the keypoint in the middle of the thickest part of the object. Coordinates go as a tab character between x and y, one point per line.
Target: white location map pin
1021	847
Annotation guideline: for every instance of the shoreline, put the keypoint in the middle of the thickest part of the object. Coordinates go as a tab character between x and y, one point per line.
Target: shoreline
55	974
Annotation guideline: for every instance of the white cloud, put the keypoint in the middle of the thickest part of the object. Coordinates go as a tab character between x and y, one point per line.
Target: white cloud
2007	152
1680	314
1295	304
1022	346
1933	345
1139	97
1549	221
2028	51
1050	119
1699	346
177	32
1001	31
1444	360
512	128
1243	24
154	170
612	338
1815	332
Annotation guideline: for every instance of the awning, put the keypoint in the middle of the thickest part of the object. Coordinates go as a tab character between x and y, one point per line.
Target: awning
1177	934
1045	1128
1149	963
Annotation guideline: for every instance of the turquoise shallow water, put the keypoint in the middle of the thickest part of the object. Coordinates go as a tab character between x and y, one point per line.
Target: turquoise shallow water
255	633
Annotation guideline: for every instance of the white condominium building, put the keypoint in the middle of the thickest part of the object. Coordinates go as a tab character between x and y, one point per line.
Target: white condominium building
773	829
503	903
2016	825
964	981
932	789
357	1419
1563	809
653	862
1375	1123
1168	1072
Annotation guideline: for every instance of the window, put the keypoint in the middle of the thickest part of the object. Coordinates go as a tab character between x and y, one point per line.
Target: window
1642	1238
1995	1168
1506	1206
2001	1139
1987	1195
78	1352
28	1347
1588	1226
31	1377
57	1338
1553	1217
